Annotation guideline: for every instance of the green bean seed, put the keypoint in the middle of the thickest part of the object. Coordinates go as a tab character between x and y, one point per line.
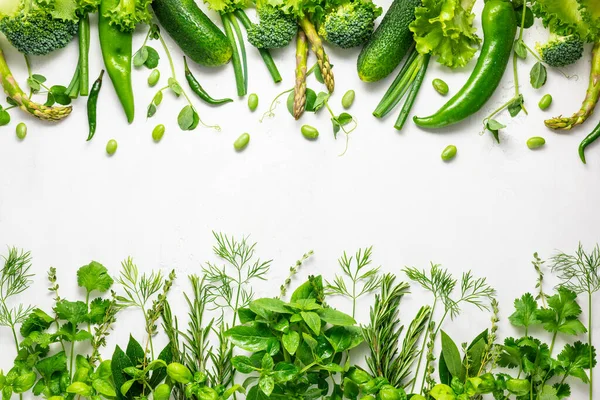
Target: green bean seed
253	101
309	132
21	130
153	78
242	142
158	132
449	153
348	99
545	102
535	142
111	147
440	86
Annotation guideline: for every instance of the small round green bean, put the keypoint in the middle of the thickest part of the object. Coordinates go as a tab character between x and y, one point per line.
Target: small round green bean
440	86
111	147
449	152
535	142
158	132
21	130
253	101
242	142
153	78
309	132
545	102
348	99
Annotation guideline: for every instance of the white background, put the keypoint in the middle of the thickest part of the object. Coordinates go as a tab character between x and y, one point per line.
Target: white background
488	210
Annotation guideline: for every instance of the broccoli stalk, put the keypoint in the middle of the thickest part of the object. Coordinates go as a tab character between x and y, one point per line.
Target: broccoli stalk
589	103
300	85
319	50
12	90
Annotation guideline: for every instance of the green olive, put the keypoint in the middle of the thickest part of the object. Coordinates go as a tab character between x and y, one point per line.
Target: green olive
253	101
153	78
158	132
179	373
545	102
440	86
111	147
449	152
242	142
348	99
21	130
535	142
309	132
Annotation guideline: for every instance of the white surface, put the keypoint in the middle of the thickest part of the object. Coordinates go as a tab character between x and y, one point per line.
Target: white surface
488	210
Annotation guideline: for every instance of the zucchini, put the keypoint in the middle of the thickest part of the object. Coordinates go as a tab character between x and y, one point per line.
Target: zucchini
389	43
199	38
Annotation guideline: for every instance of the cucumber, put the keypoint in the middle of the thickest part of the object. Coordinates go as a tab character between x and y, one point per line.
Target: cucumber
199	38
389	43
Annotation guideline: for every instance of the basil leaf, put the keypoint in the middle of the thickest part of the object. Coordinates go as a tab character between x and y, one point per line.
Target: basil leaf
452	357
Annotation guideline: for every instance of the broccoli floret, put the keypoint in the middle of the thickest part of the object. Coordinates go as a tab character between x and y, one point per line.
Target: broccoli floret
349	24
38	28
561	51
276	28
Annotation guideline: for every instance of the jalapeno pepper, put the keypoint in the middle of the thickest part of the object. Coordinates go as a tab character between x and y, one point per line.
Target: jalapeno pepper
116	47
92	105
198	89
589	139
499	29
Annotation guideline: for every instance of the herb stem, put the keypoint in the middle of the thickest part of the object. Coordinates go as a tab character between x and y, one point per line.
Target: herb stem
591	349
423	350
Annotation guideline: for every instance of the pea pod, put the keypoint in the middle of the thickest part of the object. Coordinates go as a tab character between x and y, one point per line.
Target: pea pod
499	29
116	47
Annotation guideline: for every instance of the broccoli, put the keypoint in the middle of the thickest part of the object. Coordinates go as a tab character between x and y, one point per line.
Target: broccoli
561	51
38	27
276	28
349	24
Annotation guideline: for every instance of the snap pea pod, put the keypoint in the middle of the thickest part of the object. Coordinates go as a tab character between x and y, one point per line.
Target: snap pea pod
199	90
92	104
589	139
499	28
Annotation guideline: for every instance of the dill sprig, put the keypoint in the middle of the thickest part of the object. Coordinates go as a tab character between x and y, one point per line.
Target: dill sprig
360	274
580	272
14	280
293	271
383	333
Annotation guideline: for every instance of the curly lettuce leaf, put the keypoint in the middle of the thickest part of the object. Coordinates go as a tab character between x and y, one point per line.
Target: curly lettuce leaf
226	6
444	28
590	10
564	17
126	14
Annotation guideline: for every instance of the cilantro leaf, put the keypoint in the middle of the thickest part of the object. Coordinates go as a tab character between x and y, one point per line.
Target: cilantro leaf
36	321
562	314
48	366
73	311
94	276
98	309
576	358
525	314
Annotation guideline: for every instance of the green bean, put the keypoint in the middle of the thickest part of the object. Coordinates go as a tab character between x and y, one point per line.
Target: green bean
309	132
348	99
535	142
158	132
111	147
545	102
253	101
440	86
449	152
21	130
153	78
242	142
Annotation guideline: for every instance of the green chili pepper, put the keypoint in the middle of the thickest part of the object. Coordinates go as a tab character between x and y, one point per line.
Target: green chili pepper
116	49
499	29
199	90
589	139
91	105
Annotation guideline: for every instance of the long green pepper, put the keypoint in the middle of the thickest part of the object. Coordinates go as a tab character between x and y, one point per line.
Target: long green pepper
92	106
117	49
589	139
199	90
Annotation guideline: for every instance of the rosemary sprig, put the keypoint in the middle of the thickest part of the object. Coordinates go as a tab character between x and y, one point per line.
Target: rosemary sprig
580	272
14	280
360	274
293	271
